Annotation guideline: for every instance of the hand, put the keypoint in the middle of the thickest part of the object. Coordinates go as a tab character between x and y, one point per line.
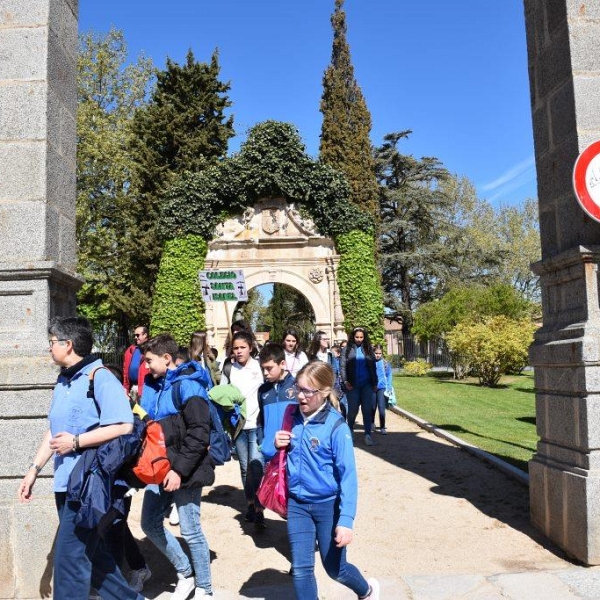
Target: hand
25	490
172	481
62	443
348	386
283	439
343	536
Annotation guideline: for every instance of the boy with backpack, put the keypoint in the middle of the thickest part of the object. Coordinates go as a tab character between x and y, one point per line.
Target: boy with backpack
187	426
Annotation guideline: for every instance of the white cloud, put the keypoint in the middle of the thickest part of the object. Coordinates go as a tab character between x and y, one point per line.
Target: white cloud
511	180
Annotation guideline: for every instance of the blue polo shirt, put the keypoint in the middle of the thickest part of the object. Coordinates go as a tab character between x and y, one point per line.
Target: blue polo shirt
73	412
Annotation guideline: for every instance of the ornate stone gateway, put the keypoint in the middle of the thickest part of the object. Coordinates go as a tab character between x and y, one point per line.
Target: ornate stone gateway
273	243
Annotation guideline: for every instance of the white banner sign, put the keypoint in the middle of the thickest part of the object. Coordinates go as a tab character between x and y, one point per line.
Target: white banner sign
223	286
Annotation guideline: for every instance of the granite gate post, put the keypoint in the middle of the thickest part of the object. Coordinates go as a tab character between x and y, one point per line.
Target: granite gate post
38	100
564	71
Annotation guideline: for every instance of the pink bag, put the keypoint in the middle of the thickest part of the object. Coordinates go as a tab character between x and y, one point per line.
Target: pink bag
273	490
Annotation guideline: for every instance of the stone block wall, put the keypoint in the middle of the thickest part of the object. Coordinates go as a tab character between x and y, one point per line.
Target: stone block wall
564	73
38	101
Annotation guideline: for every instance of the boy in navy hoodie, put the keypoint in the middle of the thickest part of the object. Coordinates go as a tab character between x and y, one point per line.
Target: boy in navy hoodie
273	398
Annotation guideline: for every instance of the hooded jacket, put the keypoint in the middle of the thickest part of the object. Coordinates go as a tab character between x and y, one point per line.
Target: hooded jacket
187	432
272	403
320	462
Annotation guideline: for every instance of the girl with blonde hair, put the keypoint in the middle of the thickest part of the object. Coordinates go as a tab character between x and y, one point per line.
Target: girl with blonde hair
322	486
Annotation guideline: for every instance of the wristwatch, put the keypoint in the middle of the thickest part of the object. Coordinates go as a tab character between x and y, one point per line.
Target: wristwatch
34	466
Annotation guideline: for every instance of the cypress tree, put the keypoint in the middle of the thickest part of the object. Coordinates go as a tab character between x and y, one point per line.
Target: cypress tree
345	145
345	142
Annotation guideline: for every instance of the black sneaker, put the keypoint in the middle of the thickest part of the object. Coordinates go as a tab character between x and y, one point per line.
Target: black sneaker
259	520
250	514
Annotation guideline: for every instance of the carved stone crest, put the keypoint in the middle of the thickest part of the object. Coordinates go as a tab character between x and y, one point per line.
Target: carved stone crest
316	275
270	220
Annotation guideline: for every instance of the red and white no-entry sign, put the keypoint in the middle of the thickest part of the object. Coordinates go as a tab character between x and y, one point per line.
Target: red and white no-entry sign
586	180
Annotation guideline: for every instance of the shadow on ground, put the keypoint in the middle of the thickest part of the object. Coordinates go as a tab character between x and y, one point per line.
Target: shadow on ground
454	472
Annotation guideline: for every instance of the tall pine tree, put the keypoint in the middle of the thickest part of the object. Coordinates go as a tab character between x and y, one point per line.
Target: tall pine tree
345	142
183	129
346	146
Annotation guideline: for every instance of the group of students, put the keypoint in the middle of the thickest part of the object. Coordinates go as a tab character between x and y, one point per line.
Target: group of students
321	469
363	378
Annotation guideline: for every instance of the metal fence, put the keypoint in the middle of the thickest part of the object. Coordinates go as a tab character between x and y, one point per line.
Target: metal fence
409	348
110	347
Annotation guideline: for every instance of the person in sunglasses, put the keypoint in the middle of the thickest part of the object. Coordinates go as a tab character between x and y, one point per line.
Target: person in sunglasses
322	486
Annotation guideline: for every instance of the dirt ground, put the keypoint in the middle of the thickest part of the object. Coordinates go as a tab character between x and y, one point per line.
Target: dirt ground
425	507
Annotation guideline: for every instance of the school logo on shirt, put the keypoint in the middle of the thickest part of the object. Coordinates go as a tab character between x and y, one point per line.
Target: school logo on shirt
314	444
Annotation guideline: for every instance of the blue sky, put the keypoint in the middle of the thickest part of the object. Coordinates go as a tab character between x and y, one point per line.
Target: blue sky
454	72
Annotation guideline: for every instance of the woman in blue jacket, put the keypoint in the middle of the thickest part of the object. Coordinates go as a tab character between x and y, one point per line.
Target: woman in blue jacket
322	486
357	368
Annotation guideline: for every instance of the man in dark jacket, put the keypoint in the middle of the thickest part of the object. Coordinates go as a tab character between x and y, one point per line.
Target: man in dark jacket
187	434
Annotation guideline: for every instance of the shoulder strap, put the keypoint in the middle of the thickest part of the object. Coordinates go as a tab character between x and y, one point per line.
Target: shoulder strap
90	393
288	417
227	370
176	395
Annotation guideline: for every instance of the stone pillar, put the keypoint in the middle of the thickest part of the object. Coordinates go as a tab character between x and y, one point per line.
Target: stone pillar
564	73
38	99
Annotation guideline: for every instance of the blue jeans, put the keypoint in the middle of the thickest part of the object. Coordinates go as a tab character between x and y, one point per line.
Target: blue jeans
247	447
305	522
380	402
81	560
362	397
156	504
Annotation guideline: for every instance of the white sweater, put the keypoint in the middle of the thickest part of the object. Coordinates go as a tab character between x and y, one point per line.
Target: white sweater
247	379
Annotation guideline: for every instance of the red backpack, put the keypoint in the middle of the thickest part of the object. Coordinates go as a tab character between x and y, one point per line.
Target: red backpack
152	464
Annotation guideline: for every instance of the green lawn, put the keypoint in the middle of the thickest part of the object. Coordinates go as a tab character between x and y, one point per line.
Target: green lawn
500	420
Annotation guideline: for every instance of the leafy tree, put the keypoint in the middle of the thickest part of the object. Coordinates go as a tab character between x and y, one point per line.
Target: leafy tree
345	142
492	347
290	308
468	304
519	234
183	129
108	94
415	226
251	309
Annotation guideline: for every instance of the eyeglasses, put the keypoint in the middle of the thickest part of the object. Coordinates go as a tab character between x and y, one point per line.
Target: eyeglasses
305	392
52	342
137	335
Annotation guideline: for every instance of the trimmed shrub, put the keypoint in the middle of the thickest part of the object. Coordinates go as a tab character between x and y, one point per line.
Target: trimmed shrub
497	346
416	368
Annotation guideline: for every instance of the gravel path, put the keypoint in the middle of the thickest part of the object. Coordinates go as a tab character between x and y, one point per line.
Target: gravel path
425	508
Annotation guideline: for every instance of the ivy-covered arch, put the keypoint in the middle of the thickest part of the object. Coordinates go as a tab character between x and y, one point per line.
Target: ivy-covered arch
271	164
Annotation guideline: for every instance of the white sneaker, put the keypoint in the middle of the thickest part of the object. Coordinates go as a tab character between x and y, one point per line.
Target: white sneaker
185	586
94	595
368	440
174	516
375	589
200	593
138	578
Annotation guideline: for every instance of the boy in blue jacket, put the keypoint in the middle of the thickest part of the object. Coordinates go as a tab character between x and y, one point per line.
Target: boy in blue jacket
274	395
187	434
273	398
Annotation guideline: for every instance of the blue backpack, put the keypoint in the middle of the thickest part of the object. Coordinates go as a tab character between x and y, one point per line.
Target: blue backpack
219	444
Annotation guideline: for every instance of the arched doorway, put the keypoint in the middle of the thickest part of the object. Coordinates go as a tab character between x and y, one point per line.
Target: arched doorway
273	243
273	308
